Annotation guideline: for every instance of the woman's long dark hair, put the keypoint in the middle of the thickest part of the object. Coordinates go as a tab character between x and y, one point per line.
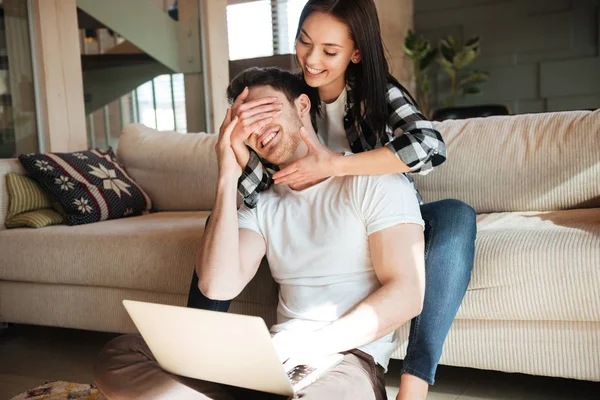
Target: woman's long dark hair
368	79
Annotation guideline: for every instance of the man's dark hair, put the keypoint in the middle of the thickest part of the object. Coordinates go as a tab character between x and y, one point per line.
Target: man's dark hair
290	84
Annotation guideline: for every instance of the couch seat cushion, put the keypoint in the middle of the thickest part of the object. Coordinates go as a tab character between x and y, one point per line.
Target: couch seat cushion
150	252
536	266
153	252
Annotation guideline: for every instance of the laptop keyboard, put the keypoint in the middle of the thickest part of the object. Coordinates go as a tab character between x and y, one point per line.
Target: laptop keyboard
299	372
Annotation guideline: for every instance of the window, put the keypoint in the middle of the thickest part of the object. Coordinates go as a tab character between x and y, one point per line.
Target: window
290	11
261	28
249	30
161	103
18	123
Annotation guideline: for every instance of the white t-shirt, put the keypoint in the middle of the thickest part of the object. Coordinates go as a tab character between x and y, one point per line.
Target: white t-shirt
330	124
318	249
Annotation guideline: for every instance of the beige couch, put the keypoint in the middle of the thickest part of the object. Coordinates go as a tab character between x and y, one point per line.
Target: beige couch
533	305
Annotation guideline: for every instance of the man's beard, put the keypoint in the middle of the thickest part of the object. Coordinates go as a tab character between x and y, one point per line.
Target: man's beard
287	146
285	149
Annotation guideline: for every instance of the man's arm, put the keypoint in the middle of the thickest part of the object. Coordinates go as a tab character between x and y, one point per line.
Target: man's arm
397	255
228	257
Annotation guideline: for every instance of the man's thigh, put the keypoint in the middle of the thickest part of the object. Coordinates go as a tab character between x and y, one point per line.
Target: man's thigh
355	378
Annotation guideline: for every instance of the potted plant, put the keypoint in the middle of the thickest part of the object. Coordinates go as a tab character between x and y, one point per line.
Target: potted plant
453	56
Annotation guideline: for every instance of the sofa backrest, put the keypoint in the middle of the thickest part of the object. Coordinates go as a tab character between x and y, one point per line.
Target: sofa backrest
530	162
178	171
10	165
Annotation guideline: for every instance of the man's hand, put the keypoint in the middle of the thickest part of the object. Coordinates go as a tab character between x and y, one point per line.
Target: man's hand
253	117
319	163
297	348
228	164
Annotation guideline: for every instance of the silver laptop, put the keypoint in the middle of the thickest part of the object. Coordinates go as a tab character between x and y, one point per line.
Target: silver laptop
220	347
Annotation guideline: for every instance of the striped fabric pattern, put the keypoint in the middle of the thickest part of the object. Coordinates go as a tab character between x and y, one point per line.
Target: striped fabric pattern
25	195
35	219
530	162
536	266
29	206
565	349
90	186
7	166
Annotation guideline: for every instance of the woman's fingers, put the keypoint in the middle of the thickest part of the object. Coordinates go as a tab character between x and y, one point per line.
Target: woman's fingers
249	121
287	171
256	126
289	179
245	112
311	140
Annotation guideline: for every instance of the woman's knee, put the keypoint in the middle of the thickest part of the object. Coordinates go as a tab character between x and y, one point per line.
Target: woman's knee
452	214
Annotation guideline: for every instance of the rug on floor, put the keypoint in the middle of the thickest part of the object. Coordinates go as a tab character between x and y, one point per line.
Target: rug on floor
60	390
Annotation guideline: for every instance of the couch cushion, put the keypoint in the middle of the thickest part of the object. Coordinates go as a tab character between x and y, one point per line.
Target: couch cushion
536	266
150	252
533	162
28	204
153	252
89	185
7	166
179	172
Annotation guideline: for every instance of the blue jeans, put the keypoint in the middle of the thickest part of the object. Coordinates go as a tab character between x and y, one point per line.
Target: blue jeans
449	251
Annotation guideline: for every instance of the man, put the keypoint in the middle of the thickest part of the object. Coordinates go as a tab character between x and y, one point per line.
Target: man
347	252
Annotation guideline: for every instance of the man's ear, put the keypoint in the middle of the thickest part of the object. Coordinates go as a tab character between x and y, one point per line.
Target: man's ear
356	57
303	104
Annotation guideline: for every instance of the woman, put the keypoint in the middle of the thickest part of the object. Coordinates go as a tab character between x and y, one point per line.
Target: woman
363	109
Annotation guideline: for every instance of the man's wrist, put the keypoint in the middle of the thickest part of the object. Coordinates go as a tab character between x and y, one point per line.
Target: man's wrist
227	180
242	154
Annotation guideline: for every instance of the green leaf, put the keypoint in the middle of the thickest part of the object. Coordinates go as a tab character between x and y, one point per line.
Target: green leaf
443	62
448	68
410	39
474	77
464	58
473	42
428	59
446	51
453	42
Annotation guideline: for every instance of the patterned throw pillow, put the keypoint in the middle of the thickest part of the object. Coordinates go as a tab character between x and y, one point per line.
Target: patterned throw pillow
28	204
90	186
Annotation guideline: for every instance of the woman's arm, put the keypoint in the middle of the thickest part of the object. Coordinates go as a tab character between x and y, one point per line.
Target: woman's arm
417	143
417	147
375	162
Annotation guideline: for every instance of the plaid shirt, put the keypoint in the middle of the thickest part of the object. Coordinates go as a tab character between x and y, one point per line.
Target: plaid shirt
412	137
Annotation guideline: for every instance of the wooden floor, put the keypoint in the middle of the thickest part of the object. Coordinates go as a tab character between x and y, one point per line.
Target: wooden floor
31	356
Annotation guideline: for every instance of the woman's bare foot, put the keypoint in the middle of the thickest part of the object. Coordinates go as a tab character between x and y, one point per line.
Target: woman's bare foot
412	388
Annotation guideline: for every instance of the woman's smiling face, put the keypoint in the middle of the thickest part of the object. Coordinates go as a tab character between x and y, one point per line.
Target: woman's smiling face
324	49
